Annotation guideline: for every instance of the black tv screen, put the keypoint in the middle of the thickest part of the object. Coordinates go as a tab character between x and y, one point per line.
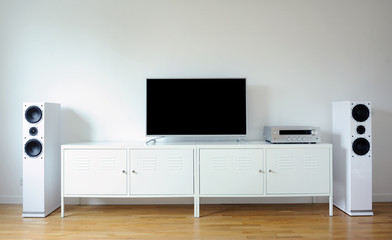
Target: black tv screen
196	107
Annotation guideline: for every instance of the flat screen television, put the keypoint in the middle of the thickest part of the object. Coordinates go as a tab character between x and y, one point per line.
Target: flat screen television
196	107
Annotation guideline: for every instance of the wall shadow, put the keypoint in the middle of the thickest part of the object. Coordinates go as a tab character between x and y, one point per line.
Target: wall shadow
74	127
381	154
257	97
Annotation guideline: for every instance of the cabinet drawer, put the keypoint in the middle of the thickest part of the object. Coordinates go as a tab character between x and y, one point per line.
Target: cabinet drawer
89	172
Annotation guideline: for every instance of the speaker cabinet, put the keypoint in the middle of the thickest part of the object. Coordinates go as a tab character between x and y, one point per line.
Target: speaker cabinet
352	157
41	159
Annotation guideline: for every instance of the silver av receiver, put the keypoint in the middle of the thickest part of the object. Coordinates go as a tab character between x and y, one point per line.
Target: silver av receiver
292	134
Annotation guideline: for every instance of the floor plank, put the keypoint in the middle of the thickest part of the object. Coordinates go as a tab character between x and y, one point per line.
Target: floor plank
264	221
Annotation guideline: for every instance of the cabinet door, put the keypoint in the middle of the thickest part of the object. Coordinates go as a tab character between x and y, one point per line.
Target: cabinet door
231	171
89	172
162	172
298	171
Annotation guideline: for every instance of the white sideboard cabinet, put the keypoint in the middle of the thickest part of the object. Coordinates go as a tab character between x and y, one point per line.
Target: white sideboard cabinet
196	170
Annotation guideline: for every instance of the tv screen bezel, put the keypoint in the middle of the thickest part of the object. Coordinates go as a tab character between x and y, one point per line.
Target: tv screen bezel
238	135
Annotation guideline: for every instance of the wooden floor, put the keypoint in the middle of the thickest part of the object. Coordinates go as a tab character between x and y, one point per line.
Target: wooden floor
283	221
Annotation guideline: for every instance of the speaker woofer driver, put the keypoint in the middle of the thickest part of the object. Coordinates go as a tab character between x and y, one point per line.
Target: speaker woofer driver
360	113
33	148
33	114
361	146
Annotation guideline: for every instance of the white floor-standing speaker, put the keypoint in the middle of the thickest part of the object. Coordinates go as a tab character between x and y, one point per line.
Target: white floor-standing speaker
41	158
352	157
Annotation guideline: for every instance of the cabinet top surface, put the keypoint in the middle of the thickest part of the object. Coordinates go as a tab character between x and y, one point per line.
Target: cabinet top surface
196	144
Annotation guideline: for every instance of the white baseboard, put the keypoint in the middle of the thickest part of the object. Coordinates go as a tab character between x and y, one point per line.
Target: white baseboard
18	199
189	200
11	199
382	197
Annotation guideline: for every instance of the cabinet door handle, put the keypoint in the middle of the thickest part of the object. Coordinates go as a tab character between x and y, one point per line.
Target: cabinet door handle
124	171
270	171
133	171
261	171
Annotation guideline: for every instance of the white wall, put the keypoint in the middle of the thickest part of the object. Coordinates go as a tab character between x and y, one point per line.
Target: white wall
93	57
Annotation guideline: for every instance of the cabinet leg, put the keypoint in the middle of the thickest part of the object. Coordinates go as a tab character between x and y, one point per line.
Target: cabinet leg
62	207
196	206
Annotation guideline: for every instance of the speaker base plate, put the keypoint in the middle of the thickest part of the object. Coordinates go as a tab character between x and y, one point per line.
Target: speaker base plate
356	213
